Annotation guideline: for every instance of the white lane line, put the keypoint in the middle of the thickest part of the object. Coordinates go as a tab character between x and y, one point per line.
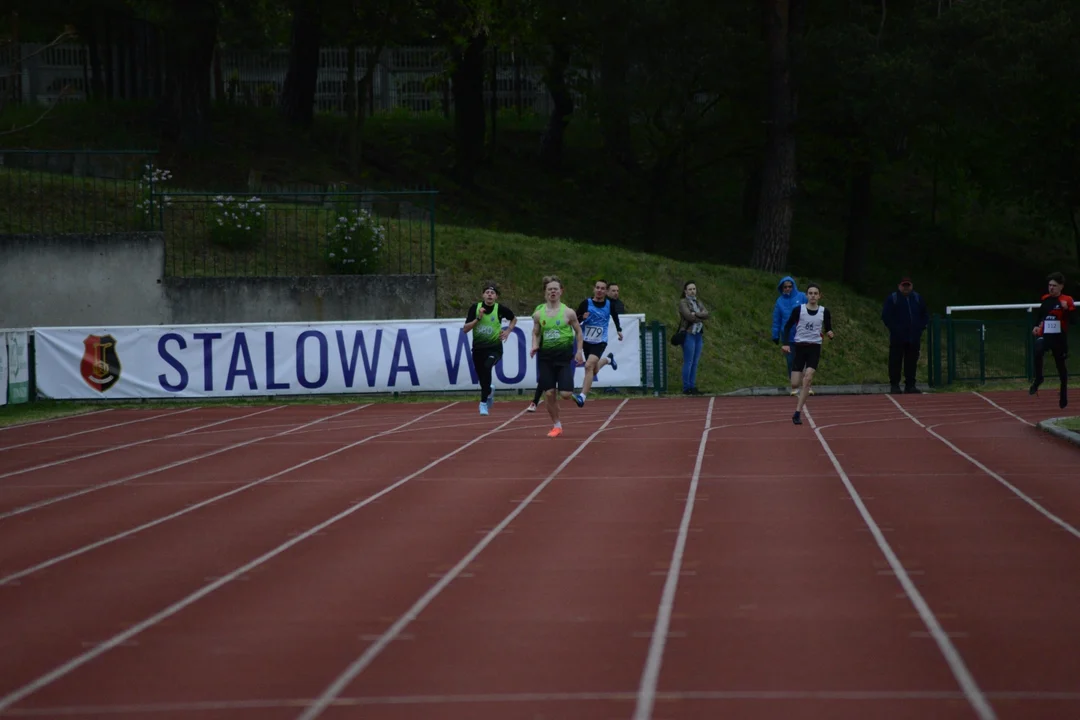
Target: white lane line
537	697
191	508
650	676
966	680
128	478
61	418
114	448
1007	412
356	667
99	428
1015	490
120	638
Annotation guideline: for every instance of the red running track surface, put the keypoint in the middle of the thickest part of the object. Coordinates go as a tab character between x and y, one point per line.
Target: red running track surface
895	557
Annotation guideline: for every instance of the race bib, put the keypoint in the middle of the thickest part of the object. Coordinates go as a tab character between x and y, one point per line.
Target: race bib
592	333
1051	326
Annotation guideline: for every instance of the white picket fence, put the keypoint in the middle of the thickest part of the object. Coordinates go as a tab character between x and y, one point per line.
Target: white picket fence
405	79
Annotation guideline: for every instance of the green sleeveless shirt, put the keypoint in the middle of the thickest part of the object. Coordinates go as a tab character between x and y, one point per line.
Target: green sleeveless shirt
486	332
556	335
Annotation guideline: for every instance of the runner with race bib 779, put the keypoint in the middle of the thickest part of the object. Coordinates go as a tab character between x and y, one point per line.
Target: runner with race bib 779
596	313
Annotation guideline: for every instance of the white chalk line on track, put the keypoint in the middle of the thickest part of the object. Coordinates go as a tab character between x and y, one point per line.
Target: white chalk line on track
61	418
114	448
1005	410
354	669
538	697
1012	488
650	675
98	428
964	678
128	478
120	638
201	504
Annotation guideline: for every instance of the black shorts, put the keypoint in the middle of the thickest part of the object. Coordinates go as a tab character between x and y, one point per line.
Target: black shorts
596	349
1056	343
486	355
806	355
555	371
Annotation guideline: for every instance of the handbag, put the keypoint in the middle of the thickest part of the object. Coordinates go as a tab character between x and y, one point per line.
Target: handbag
679	337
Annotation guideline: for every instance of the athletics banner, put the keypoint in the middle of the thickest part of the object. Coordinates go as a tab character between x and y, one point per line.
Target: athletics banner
191	361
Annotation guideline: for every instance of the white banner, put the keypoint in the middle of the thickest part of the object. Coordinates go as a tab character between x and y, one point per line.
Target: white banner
18	367
294	359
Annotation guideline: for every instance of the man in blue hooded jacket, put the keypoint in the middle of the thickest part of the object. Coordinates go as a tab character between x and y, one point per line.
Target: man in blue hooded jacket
904	313
789	298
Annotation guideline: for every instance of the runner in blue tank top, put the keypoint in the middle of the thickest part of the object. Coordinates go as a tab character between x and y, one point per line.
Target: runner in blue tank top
596	314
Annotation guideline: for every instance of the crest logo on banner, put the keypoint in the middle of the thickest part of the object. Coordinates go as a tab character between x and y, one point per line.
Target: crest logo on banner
100	366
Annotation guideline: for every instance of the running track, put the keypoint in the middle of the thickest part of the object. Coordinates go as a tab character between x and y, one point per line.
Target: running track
908	557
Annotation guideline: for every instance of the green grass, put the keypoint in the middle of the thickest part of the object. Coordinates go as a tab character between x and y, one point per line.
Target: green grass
1072	423
738	348
518	223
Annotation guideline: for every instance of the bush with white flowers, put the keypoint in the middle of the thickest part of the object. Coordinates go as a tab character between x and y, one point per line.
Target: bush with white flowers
150	200
236	224
354	242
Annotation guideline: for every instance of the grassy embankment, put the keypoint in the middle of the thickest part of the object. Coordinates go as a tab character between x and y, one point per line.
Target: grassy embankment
471	244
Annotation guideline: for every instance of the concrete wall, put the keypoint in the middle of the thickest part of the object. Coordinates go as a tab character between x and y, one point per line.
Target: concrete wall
300	299
119	279
82	280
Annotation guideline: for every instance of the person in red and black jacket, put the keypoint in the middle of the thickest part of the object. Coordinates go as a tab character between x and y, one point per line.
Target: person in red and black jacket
1051	333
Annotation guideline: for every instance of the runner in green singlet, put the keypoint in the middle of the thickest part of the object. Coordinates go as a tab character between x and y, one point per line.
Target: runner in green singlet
484	320
555	331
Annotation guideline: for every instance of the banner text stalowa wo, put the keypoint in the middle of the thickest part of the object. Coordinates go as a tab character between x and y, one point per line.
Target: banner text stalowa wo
293	359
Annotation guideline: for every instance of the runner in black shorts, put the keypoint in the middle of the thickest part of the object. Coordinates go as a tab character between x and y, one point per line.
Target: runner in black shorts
556	331
811	323
484	320
1051	334
596	313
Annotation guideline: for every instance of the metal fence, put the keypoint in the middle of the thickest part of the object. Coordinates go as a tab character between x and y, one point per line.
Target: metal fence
981	349
330	233
654	358
218	234
84	191
409	79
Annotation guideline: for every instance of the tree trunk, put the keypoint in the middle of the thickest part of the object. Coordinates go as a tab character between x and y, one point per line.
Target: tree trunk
298	91
614	108
467	83
93	46
1075	229
859	213
551	144
493	109
772	234
352	108
189	53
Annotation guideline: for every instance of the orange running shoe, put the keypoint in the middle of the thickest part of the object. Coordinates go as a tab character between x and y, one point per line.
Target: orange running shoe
555	432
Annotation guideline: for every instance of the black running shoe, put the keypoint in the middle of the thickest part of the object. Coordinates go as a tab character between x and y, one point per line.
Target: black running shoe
796	418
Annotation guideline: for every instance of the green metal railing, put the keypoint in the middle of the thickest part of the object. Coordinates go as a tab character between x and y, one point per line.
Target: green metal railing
982	349
654	364
48	192
272	234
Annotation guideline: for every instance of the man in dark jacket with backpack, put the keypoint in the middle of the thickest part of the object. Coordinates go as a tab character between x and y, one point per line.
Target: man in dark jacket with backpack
906	316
